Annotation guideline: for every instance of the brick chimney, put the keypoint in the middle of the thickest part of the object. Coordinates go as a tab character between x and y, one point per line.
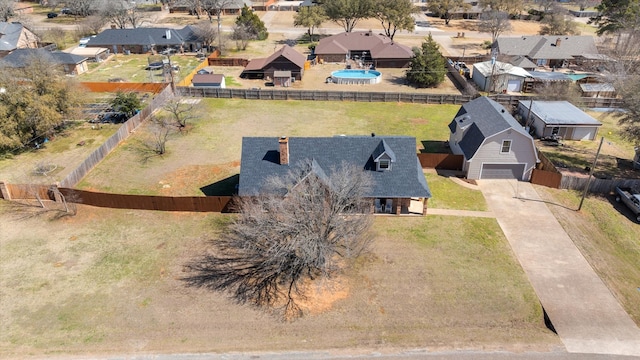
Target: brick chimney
284	150
558	40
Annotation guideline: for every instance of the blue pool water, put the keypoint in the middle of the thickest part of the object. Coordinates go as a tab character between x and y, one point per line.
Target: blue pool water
356	74
349	76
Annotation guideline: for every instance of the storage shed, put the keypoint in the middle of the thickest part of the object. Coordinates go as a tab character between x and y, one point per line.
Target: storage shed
209	80
558	118
498	76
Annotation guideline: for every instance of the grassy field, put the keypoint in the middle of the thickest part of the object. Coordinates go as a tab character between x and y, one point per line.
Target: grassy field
132	68
615	156
449	195
108	281
607	235
210	151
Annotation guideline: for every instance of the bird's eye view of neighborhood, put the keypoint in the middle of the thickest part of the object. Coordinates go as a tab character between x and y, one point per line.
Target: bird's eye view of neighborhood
320	179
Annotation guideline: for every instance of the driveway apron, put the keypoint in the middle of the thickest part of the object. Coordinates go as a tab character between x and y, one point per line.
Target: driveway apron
584	313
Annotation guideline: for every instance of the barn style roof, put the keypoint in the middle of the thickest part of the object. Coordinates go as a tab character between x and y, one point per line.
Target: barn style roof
559	113
484	118
547	46
286	51
380	46
261	160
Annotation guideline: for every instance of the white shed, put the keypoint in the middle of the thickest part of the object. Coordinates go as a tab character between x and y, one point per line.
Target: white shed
505	76
558	118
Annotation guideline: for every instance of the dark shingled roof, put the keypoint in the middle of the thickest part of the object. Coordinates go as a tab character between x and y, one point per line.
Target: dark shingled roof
9	35
380	46
485	118
261	160
286	51
18	57
547	46
138	36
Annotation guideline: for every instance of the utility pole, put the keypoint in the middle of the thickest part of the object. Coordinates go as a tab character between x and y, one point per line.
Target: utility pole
586	189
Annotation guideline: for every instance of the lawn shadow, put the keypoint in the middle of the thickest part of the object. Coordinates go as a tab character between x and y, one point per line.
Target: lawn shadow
435	146
224	187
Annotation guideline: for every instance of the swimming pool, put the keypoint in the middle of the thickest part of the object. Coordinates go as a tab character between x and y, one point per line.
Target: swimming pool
352	76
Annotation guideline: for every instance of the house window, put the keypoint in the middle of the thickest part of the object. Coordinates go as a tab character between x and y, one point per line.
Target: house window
506	147
384	165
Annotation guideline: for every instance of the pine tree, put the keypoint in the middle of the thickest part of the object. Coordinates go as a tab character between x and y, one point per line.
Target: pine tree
427	68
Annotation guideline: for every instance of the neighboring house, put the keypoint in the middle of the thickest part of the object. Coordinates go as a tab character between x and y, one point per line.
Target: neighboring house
145	40
364	47
558	118
70	64
262	5
209	80
549	50
497	76
15	36
398	183
285	59
92	54
230	7
492	142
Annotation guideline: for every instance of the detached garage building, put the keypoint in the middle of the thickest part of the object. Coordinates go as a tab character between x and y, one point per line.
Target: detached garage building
559	118
498	76
492	142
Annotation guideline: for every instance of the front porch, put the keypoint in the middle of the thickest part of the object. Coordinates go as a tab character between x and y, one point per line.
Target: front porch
400	206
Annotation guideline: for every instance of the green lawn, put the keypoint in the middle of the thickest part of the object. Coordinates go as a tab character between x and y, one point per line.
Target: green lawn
210	151
132	69
449	195
108	281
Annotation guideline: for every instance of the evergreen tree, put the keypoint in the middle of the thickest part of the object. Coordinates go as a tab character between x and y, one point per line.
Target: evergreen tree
252	23
427	68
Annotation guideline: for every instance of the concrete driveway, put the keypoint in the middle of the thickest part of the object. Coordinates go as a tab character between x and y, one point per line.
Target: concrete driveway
584	313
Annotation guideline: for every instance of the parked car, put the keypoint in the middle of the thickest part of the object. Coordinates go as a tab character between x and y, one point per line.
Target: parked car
113	117
630	198
52	15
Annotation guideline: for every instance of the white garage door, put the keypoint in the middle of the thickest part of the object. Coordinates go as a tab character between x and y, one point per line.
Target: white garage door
502	171
513	85
583	133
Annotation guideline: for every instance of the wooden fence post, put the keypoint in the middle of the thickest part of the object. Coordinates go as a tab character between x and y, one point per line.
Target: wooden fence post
4	191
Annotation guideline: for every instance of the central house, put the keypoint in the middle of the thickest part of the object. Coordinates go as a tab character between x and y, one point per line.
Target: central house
398	183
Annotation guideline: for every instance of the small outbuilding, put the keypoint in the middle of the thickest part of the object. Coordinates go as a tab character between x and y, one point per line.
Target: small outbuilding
209	80
283	60
497	76
598	90
558	118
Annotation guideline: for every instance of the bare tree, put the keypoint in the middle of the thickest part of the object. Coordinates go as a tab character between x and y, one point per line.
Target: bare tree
81	7
93	25
216	7
495	23
206	33
305	227
241	35
182	111
160	129
555	22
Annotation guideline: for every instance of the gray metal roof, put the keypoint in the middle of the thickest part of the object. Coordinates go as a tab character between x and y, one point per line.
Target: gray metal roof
9	35
261	160
547	46
549	76
594	87
138	36
560	113
482	118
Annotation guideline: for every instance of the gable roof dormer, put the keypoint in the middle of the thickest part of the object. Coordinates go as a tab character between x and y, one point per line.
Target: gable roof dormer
383	156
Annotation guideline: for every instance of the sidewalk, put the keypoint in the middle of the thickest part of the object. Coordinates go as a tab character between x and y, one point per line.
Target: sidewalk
584	313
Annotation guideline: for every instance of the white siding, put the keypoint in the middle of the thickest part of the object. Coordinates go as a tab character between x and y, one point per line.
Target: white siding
584	133
522	151
480	80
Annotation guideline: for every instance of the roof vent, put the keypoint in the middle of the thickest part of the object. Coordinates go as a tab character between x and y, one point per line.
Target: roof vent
502	111
373	134
168	34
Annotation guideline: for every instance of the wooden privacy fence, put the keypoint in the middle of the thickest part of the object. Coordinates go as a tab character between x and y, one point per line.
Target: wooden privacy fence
187	79
320	95
546	178
441	161
123	133
149	202
227	62
25	191
124	87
